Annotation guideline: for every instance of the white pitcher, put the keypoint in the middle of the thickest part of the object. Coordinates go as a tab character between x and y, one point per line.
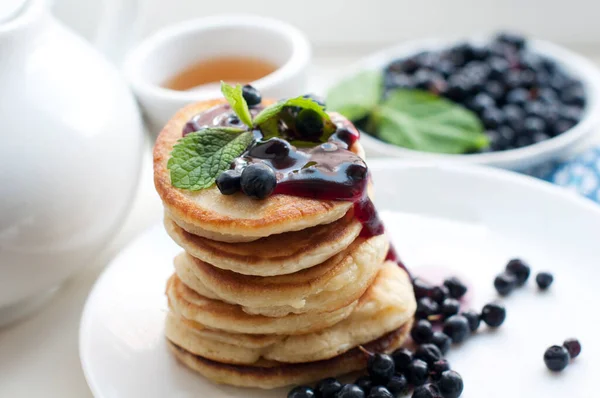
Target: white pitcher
71	143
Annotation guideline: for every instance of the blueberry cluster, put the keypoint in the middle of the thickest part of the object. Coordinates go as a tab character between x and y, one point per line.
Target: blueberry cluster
391	376
558	357
438	302
516	275
521	97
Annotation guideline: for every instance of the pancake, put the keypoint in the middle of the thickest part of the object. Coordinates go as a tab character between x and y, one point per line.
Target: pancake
233	218
271	374
387	305
274	255
326	287
216	314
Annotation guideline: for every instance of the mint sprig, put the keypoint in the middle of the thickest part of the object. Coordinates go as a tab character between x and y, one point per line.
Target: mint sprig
414	119
234	96
198	158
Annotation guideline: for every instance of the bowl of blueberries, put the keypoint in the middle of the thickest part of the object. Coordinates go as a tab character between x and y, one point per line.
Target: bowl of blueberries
502	100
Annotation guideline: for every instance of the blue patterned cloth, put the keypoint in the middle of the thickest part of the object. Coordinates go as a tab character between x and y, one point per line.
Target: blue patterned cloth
581	174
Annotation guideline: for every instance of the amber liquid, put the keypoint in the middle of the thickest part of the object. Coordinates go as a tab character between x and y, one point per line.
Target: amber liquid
229	69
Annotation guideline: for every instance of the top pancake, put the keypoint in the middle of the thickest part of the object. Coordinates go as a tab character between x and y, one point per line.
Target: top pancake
233	218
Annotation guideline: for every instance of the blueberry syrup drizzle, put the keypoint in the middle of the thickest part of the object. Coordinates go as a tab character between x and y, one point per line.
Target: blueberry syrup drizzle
326	171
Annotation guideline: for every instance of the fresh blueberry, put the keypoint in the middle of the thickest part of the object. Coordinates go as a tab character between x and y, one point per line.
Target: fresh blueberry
350	391
473	318
512	79
445	68
450	307
439	294
410	65
498	67
258	180
571	113
397	385
534	124
520	269
517	96
438	368
402	358
380	392
426	307
428	353
547	96
428	80
523	140
505	283
233	120
574	95
422	331
514	115
561	126
427	391
398	81
364	383
421	288
417	372
459	87
528	79
507	135
381	367
228	182
451	384
481	102
556	358
302	392
512	39
456	287
493	314
457	328
539	137
544	280
573	346
319	100
492	118
327	388
251	95
309	124
442	341
495	90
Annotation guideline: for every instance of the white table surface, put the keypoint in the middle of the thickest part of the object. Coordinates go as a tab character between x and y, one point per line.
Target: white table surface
39	355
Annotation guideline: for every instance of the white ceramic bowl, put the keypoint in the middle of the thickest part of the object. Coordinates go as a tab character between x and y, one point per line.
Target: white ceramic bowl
562	146
176	47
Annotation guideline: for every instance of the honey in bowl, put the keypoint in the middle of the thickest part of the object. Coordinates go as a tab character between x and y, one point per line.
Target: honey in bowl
232	69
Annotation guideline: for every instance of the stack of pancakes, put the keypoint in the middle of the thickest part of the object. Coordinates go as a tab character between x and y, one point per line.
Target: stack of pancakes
277	291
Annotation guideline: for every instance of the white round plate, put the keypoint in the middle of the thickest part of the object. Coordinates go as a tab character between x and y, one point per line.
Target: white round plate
458	220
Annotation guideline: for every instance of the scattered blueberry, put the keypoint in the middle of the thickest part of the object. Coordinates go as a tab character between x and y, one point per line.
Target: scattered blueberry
380	392
302	392
573	346
457	328
428	353
473	318
421	288
258	180
427	391
520	269
450	307
493	315
426	307
439	294
251	95
422	331
350	391
364	383
505	283
417	372
402	358
381	367
451	384
456	288
327	388
228	182
397	385
556	358
438	368
442	341
544	280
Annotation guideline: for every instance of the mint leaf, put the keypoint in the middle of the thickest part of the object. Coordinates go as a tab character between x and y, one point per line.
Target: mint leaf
423	121
268	119
198	158
356	96
234	96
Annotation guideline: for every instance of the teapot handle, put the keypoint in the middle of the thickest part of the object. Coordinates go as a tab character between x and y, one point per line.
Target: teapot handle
117	29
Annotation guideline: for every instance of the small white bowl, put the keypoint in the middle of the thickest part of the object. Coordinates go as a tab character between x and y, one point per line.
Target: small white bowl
561	146
172	49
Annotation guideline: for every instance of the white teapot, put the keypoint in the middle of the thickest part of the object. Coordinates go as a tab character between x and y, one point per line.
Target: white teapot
71	141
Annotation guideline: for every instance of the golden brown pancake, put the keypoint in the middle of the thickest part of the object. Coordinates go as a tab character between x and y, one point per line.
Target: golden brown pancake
325	287
233	218
387	305
216	314
274	255
271	374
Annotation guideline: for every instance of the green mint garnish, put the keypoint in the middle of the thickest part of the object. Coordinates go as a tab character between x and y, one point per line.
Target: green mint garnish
234	96
414	119
198	158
